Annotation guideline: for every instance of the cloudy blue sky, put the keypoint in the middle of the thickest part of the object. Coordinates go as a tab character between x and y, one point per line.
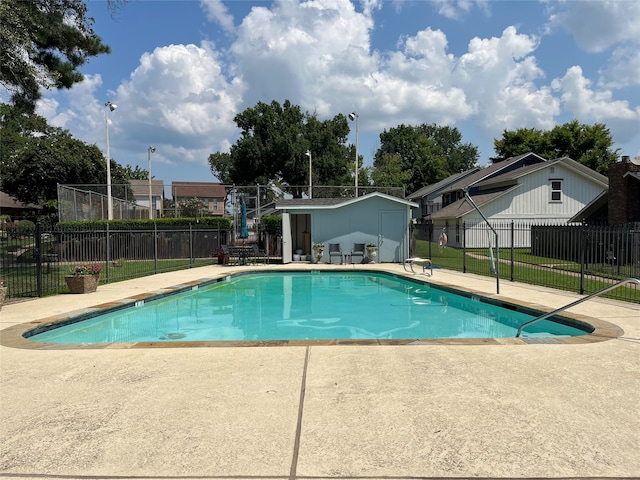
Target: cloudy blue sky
180	71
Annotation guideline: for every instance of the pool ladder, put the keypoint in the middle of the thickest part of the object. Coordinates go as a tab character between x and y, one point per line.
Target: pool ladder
550	314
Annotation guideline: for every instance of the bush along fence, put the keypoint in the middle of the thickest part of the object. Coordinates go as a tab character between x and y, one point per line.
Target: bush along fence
579	258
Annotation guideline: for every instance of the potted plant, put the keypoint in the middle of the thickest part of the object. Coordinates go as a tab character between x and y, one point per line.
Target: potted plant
318	251
3	293
84	278
372	252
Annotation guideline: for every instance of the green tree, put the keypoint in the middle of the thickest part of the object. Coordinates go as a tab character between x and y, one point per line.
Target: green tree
32	173
42	45
390	171
137	173
422	155
36	157
272	149
590	145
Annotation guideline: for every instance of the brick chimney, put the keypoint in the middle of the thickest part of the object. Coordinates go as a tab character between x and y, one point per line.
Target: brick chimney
624	192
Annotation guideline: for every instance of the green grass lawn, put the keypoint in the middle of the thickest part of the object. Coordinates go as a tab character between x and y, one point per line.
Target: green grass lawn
533	269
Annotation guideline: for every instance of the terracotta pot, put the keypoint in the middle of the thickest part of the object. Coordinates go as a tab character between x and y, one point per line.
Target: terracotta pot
82	283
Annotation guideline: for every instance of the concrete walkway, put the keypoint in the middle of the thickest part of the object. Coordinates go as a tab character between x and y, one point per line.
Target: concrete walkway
319	412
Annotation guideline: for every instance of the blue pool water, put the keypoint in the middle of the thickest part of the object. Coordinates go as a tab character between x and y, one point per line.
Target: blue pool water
305	306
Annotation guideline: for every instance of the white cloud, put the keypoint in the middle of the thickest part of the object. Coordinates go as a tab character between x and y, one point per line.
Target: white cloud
178	100
498	77
587	103
318	54
456	9
217	12
598	25
623	68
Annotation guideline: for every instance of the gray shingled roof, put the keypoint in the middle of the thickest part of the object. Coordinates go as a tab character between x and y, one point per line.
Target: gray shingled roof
424	191
462	206
198	189
486	172
635	175
310	202
332	202
141	187
519	172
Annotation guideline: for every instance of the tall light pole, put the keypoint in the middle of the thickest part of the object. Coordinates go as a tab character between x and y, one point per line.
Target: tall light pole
150	150
308	154
353	116
108	107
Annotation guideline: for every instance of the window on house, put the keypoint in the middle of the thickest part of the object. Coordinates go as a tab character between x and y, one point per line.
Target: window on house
556	190
215	204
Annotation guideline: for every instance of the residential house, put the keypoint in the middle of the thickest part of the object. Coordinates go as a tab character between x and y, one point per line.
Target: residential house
211	194
525	189
430	197
620	203
373	218
16	210
140	190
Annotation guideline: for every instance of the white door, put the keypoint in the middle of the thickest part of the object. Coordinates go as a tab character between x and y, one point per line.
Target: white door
287	246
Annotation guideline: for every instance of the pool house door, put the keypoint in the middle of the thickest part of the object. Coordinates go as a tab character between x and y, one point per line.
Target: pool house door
287	245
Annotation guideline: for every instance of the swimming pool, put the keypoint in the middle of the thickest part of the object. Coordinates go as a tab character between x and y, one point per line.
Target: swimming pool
312	305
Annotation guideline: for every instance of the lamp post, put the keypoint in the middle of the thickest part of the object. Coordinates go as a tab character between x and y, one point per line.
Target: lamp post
150	150
108	107
353	116
308	154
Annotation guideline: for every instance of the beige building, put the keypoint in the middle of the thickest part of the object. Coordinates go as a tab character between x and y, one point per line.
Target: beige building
211	194
141	192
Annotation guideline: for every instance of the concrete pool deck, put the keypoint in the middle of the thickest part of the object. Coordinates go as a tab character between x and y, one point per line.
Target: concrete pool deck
340	411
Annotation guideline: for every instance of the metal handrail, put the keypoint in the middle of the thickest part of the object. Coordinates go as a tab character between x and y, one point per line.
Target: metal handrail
495	262
547	315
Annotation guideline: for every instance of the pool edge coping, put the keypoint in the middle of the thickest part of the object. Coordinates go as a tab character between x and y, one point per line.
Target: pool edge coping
13	336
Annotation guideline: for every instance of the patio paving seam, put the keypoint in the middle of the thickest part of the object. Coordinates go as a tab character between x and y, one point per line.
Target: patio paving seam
303	389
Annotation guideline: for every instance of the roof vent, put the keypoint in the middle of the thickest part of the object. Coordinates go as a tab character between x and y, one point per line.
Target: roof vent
626	158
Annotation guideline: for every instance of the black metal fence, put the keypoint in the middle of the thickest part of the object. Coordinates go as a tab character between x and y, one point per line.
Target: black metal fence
583	259
35	260
578	258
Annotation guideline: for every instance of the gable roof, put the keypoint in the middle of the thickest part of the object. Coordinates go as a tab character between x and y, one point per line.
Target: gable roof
512	175
429	189
198	189
591	208
461	206
632	174
141	187
330	203
494	169
7	201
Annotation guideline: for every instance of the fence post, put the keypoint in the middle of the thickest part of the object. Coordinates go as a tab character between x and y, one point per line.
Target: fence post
513	267
155	247
38	255
583	248
190	245
464	247
108	252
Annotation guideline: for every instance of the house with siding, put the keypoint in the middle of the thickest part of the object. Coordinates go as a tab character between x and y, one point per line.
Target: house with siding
620	203
140	190
526	189
211	194
430	197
